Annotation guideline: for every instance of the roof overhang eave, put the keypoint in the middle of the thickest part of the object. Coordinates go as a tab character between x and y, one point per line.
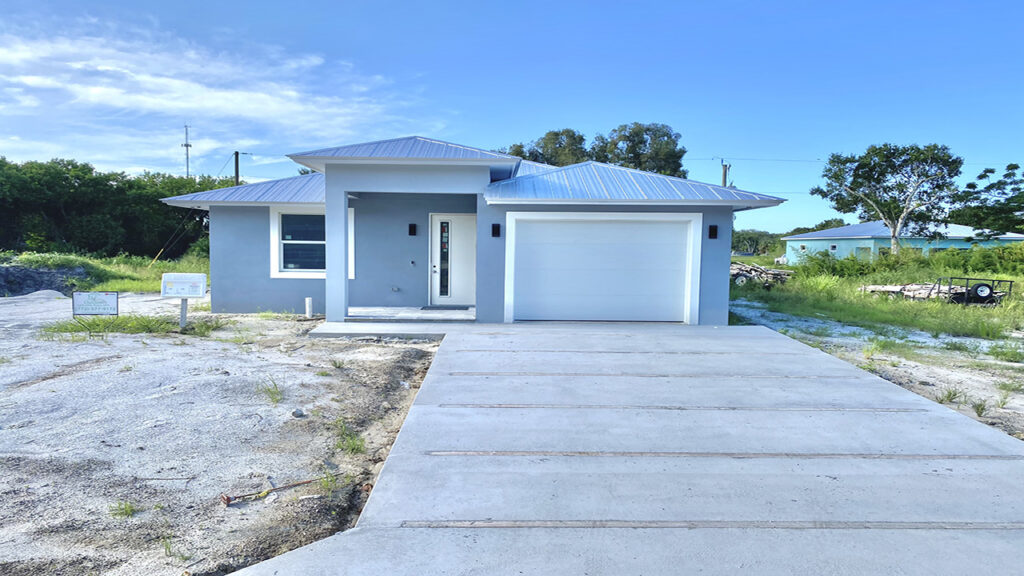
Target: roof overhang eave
736	205
203	205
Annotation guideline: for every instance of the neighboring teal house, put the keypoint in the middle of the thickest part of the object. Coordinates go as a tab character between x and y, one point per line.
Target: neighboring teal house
871	238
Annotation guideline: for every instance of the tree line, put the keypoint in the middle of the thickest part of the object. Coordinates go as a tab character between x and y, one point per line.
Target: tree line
648	147
69	206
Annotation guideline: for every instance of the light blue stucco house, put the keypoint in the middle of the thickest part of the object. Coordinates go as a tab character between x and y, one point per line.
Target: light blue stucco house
869	239
417	222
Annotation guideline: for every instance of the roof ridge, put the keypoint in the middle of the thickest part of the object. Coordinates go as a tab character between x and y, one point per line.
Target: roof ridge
752	195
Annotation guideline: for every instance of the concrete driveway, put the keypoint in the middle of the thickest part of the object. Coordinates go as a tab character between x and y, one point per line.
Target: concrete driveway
619	449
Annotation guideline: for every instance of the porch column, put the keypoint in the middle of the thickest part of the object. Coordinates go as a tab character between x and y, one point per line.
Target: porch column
336	222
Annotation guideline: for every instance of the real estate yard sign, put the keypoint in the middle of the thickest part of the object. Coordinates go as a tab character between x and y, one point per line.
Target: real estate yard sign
184	286
94	303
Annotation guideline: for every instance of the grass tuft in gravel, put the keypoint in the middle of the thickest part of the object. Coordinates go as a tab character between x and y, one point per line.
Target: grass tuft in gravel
271	391
122	509
132	324
349	440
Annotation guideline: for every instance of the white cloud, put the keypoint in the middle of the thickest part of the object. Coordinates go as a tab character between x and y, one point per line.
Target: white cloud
119	98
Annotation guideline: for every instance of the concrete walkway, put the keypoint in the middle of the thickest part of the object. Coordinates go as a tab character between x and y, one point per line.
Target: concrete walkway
617	449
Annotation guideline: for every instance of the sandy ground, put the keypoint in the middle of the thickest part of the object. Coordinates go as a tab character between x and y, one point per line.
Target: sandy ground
932	367
168	423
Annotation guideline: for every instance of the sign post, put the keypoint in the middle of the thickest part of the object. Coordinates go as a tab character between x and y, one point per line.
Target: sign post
184	286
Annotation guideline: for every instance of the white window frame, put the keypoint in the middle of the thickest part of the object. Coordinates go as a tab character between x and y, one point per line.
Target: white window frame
276	242
833	247
695	235
803	248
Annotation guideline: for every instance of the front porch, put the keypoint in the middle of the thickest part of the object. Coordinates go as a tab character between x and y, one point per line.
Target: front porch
411	314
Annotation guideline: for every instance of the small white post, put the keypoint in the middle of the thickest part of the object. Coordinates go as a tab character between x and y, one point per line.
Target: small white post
184	313
309	307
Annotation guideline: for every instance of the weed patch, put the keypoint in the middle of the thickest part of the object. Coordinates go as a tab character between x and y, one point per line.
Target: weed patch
349	441
270	390
1006	352
951	395
122	509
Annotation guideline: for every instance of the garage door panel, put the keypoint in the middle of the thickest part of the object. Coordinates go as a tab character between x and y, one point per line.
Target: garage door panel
603	269
604	256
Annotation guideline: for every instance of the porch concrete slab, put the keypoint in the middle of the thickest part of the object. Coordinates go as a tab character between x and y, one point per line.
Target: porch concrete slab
409	314
612	449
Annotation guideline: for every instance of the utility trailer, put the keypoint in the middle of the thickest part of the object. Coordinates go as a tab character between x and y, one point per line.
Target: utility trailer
954	289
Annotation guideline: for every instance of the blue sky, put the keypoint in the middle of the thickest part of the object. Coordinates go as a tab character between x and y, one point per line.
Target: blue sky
771	87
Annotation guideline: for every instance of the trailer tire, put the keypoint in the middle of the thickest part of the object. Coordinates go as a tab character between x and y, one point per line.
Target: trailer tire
740	279
981	292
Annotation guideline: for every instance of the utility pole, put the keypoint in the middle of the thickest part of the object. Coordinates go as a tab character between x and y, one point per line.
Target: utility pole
237	179
725	173
186	146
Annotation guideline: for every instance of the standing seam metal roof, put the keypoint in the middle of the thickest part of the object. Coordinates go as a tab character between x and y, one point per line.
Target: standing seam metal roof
304	189
598	181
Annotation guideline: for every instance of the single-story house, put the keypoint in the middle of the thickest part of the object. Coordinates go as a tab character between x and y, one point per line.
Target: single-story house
417	222
869	239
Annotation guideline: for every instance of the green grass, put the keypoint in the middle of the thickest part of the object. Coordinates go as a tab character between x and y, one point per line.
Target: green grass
132	324
980	407
950	395
271	391
838	299
4	359
1011	386
349	441
122	509
891	347
957	346
1006	352
766	261
115	274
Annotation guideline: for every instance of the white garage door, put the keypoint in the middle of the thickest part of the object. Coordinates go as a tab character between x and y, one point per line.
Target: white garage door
601	269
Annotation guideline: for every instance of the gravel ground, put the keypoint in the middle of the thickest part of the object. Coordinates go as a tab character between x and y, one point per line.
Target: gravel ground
168	423
929	366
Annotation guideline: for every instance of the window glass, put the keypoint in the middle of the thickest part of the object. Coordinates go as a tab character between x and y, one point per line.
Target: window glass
304	256
303	227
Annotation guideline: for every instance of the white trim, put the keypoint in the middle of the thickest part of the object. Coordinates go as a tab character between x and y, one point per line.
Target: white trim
275	242
351	243
691	313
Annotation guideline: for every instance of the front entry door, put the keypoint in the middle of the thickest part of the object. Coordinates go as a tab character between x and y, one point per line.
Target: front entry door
453	259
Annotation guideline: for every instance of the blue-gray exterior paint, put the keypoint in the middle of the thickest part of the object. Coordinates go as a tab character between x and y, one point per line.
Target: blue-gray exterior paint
240	255
240	266
490	254
392	267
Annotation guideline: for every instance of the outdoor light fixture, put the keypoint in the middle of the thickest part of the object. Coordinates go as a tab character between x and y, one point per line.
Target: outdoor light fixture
713	232
495	230
412	229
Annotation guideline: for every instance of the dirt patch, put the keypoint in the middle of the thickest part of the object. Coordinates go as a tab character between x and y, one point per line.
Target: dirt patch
954	371
161	426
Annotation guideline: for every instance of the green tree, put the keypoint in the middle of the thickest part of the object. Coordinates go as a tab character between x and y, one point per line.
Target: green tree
823	225
64	205
649	147
993	205
754	241
556	147
907	187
